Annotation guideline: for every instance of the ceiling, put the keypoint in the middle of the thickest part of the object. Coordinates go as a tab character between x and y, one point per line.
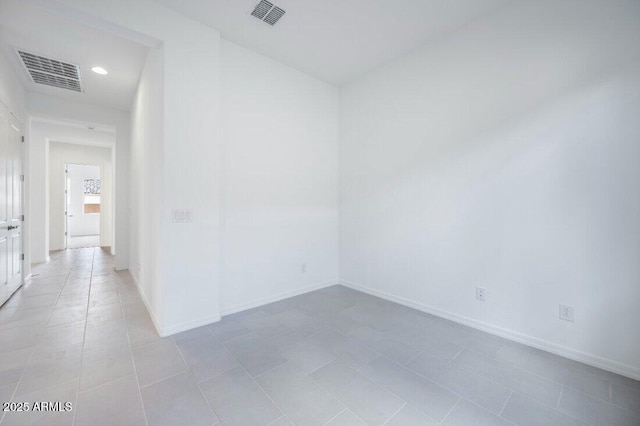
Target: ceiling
335	40
28	27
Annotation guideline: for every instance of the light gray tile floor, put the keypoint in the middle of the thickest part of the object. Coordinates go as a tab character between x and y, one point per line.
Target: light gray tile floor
78	332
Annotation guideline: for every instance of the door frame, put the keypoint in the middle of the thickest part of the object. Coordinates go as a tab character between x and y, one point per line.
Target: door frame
23	178
14	123
66	196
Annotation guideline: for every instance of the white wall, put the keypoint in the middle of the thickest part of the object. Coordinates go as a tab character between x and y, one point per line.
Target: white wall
43	225
146	181
280	180
59	155
79	222
189	253
505	156
43	107
11	92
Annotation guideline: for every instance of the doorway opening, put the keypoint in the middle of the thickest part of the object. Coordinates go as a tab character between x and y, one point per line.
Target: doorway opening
83	202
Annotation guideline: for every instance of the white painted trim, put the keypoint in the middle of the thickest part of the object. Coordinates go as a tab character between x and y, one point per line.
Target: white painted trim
276	298
168	331
593	360
45	260
155	321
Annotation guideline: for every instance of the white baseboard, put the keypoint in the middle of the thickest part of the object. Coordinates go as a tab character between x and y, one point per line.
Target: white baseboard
276	298
188	325
593	360
155	321
45	260
173	329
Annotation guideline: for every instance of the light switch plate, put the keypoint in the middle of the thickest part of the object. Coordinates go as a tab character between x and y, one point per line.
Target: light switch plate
182	216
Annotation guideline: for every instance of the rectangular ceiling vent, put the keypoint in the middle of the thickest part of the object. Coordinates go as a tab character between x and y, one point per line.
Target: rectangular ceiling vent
51	72
267	12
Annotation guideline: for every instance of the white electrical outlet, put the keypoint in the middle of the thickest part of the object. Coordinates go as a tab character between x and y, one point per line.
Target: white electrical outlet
480	291
303	268
566	313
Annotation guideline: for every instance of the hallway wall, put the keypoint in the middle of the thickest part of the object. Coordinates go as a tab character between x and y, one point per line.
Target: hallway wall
189	253
505	156
146	182
42	132
47	108
11	91
280	180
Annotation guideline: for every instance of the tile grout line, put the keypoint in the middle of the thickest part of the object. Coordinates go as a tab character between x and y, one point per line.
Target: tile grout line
457	355
533	373
260	386
133	362
106	383
336	416
13	395
194	376
163	379
257	376
506	403
59	294
84	335
451	411
522	370
624	409
254	380
394	414
322	366
284	416
490	380
420	352
363	376
469	371
559	397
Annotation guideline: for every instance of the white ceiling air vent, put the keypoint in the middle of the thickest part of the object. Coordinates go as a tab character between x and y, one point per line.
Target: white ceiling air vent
267	12
51	72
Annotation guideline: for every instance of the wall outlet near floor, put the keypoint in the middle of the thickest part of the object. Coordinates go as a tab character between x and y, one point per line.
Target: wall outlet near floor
566	313
480	291
303	268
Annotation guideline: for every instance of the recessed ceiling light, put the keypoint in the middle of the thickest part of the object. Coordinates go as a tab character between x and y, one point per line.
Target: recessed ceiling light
99	70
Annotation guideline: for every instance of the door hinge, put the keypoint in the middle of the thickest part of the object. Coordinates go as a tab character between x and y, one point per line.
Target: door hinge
22	139
22	256
65	233
21	178
22	218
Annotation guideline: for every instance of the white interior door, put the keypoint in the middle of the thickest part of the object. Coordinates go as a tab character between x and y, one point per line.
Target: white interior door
10	205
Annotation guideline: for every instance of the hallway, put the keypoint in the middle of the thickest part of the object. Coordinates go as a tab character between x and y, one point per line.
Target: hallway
68	331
